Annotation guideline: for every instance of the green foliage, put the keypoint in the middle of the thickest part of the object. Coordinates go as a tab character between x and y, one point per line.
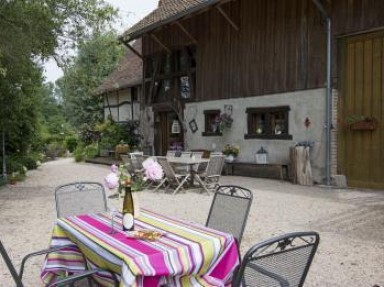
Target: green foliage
96	59
71	143
79	153
14	164
55	149
112	134
32	31
91	151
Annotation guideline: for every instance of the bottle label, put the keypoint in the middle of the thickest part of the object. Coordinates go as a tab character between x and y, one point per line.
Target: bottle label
128	222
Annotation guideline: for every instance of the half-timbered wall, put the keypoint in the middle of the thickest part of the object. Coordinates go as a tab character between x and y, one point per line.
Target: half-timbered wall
280	45
121	105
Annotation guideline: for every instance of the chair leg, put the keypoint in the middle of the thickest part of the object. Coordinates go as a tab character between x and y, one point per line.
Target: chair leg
202	184
160	184
180	186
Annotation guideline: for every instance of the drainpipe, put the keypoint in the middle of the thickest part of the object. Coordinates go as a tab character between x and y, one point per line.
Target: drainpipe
328	102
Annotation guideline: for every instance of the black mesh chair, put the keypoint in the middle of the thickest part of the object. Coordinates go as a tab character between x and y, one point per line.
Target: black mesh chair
80	198
229	210
67	281
282	261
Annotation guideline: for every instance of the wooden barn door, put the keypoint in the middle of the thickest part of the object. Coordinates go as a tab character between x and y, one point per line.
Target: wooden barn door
164	138
361	152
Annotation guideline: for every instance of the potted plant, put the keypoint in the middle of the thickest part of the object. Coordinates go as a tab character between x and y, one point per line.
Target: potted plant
231	151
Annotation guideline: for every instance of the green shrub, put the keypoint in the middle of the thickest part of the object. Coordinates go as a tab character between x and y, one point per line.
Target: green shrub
79	154
54	150
91	151
14	165
53	139
71	143
29	162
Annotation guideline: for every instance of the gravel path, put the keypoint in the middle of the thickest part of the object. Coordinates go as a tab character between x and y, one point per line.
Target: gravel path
350	222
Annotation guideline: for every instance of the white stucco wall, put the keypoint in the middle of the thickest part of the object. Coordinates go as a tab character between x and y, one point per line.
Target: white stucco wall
308	103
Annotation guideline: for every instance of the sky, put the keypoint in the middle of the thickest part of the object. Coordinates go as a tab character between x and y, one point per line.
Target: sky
130	12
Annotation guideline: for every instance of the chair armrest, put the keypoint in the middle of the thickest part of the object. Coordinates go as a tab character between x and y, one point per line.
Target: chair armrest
77	277
37	253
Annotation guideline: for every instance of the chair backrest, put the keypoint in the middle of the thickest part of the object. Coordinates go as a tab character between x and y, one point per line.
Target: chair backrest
167	168
282	261
197	155
137	162
229	210
186	154
215	165
11	267
79	198
171	153
135	154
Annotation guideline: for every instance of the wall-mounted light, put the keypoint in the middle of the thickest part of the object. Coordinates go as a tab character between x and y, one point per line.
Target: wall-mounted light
175	129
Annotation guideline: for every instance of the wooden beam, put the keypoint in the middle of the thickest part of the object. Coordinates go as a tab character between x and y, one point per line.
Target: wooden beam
182	28
225	15
137	53
160	43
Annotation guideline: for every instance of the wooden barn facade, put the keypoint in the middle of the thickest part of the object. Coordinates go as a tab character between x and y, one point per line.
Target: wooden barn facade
264	63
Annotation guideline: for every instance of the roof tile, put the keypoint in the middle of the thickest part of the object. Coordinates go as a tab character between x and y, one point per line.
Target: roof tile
167	10
127	74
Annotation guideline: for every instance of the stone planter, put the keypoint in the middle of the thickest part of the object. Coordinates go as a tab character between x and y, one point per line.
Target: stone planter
229	158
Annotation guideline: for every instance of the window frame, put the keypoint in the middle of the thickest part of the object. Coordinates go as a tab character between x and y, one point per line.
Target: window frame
267	112
172	67
208	115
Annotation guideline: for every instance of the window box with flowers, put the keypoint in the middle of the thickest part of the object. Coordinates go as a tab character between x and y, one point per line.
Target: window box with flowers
216	122
361	123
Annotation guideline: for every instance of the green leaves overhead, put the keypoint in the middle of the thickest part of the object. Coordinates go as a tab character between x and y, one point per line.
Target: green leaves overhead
95	60
31	31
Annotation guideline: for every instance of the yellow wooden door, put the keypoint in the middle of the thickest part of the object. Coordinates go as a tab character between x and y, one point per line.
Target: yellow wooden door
361	152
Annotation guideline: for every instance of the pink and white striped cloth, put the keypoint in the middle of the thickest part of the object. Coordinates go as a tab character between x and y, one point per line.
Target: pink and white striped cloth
187	254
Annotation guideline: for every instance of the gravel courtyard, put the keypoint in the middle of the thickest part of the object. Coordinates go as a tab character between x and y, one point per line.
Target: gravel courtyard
350	222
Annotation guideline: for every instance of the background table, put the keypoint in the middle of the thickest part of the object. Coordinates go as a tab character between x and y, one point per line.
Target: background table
187	254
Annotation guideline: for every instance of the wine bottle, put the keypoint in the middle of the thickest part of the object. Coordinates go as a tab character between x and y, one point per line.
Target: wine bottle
128	210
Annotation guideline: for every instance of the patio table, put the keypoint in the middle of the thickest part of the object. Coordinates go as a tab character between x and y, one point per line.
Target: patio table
187	161
187	254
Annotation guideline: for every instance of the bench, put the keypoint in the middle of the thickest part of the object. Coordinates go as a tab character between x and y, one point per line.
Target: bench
268	170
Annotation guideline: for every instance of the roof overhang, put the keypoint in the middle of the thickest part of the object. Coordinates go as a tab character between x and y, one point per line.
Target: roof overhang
127	36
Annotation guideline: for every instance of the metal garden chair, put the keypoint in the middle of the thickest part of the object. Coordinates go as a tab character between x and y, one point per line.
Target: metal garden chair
170	177
67	281
229	210
212	174
281	261
171	153
80	198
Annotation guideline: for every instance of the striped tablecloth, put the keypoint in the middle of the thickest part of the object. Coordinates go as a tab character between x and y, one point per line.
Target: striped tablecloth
187	254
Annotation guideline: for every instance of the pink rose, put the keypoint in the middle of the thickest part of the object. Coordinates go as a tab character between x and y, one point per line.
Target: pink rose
111	180
114	168
152	169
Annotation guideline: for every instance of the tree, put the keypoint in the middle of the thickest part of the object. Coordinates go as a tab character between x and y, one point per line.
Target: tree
96	59
31	32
